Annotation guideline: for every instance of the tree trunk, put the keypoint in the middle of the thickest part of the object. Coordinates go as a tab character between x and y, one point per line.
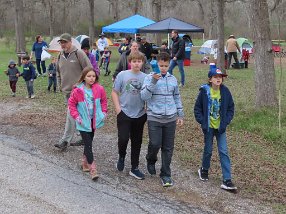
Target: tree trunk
220	30
51	18
91	21
157	4
265	86
19	26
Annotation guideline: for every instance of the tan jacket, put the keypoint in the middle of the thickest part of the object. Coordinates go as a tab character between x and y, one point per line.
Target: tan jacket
232	45
69	69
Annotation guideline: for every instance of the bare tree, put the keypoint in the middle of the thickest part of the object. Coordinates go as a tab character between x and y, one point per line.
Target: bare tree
91	21
265	88
220	30
19	26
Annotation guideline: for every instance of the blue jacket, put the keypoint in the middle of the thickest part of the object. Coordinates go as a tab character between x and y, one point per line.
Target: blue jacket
202	108
162	96
38	48
29	72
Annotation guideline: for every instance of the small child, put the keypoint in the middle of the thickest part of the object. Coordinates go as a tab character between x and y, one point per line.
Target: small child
214	110
52	71
29	75
164	112
88	106
130	110
95	52
13	74
245	57
106	59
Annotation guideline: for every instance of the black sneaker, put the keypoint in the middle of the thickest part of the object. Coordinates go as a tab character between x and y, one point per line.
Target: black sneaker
167	181
137	174
120	164
151	169
228	185
203	174
77	143
61	145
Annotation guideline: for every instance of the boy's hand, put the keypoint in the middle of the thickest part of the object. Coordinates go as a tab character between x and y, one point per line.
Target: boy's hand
156	76
180	122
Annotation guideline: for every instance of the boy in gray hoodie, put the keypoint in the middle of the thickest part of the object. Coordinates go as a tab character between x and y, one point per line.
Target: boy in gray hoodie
164	112
13	74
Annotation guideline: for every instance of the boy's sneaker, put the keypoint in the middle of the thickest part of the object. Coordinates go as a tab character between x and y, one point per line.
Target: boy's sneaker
120	164
28	97
137	174
77	143
61	145
228	185
167	181
13	94
203	174
151	169
32	96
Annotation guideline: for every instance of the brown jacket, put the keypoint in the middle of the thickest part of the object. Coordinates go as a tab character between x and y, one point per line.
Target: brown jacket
69	69
232	45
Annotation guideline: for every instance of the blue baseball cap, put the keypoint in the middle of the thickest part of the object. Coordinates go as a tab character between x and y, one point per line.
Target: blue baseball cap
214	72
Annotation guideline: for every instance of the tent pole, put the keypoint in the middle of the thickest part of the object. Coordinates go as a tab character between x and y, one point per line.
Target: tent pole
168	41
135	36
203	38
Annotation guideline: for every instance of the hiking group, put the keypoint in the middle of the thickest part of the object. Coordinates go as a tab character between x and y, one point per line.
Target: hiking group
138	95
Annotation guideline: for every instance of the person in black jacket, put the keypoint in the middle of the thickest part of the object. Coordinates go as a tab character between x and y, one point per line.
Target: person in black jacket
178	55
146	48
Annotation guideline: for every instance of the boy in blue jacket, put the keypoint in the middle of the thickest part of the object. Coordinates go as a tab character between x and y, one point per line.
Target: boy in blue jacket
164	112
214	109
29	75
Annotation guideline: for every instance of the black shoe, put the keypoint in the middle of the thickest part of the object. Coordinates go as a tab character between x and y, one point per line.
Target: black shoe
77	143
61	145
203	174
137	174
120	164
228	185
167	181
151	169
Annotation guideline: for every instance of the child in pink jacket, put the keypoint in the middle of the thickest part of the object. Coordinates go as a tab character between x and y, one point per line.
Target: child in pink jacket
88	106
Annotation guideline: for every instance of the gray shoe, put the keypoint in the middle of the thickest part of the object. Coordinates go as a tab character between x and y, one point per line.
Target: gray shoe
61	145
77	143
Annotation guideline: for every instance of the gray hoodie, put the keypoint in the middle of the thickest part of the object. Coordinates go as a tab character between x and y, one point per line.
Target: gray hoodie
12	71
70	69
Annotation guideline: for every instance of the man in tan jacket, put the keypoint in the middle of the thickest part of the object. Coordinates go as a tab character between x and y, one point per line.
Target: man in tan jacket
232	47
71	62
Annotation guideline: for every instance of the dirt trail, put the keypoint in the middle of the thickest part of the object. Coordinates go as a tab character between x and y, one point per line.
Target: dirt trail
42	127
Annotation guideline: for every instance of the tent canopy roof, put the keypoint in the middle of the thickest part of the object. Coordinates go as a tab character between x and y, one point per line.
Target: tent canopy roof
128	25
169	24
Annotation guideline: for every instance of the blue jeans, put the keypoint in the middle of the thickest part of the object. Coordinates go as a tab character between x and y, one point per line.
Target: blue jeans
180	64
222	149
161	136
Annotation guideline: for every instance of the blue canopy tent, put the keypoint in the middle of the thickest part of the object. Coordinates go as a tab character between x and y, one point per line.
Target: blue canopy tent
128	25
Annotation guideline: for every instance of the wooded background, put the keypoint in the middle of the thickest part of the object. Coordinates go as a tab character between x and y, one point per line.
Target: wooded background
52	17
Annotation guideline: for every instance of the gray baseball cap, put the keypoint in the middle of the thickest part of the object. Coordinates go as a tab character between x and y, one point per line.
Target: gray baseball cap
65	37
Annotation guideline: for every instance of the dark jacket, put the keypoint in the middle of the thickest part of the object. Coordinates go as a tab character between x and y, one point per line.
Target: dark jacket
147	49
52	69
122	64
202	108
123	48
178	48
29	72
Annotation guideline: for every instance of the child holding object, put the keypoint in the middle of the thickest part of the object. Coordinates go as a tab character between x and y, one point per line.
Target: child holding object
88	106
164	112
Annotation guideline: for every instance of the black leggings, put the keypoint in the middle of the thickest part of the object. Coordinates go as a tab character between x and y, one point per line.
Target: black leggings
87	138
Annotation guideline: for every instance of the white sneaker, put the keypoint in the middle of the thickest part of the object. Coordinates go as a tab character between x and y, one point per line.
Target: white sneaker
32	96
27	97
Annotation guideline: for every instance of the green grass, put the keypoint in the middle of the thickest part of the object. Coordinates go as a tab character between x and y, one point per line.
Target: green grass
257	147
